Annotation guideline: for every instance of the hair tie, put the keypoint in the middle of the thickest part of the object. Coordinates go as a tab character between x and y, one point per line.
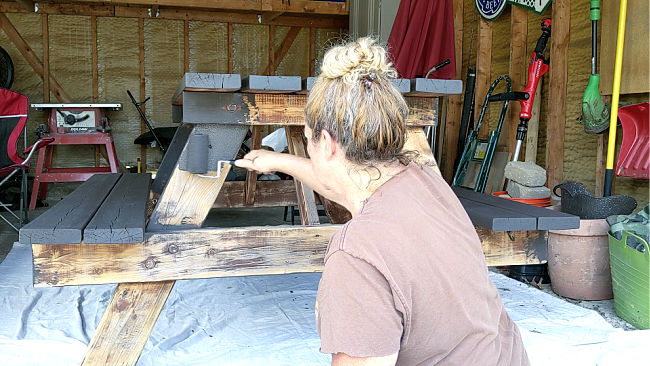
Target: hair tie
368	79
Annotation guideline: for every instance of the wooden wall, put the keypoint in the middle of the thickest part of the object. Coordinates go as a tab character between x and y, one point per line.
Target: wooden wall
148	57
579	149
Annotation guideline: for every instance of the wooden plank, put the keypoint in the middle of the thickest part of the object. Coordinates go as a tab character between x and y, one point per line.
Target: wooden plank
32	59
251	176
306	199
143	91
454	102
416	142
186	200
46	59
427	87
271	84
503	248
205	82
186	254
546	219
121	217
28	5
336	213
93	32
186	45
275	57
517	68
60	9
634	71
403	85
127	323
268	193
483	69
270	68
64	223
497	219
557	92
170	159
312	51
230	49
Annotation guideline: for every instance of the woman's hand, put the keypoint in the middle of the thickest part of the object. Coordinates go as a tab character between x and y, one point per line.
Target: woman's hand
261	161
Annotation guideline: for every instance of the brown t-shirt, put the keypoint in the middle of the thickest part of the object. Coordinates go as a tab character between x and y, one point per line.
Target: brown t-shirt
408	274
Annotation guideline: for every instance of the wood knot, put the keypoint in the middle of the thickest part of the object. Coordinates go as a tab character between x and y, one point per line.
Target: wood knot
211	252
173	249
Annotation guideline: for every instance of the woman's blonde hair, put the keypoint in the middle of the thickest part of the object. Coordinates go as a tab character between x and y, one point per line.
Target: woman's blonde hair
355	101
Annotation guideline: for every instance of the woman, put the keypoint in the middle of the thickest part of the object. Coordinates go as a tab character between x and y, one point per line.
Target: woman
405	280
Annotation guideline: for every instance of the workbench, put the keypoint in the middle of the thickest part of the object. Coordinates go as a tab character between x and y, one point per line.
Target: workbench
144	235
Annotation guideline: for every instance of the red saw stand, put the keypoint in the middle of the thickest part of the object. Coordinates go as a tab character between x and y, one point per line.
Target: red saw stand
73	124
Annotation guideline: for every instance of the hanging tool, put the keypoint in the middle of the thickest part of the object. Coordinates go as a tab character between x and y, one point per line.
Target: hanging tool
482	151
537	67
594	112
616	89
467	115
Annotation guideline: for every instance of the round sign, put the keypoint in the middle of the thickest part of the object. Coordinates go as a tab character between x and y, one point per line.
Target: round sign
490	9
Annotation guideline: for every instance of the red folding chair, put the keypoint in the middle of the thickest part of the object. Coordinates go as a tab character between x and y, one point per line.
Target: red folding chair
13	117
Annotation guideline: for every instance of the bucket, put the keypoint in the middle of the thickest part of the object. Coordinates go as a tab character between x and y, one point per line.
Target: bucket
578	261
631	280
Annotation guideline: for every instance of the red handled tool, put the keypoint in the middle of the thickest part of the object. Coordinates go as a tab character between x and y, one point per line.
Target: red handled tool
537	67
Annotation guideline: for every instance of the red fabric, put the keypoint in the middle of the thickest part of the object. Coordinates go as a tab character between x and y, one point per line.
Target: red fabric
14	104
422	37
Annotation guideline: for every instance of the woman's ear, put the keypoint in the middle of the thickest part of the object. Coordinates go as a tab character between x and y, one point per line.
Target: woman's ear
328	144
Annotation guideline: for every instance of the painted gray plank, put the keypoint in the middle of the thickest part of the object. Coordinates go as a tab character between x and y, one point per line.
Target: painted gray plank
497	219
222	108
421	86
171	157
403	85
121	218
271	84
64	223
207	82
546	219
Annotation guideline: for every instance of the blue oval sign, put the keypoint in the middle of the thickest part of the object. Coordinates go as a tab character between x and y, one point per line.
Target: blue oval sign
490	9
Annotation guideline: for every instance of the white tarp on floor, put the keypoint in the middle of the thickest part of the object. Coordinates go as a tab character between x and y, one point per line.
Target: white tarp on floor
266	320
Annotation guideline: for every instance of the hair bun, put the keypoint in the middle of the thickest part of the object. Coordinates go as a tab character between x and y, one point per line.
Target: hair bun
355	60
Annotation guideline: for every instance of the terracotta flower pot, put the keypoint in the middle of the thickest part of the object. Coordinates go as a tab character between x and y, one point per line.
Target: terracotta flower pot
578	261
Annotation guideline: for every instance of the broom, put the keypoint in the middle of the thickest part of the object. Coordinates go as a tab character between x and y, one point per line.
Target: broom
595	114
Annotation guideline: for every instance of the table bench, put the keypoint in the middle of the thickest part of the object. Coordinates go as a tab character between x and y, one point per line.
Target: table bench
143	235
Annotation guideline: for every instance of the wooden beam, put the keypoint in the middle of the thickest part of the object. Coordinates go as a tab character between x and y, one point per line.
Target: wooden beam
517	68
270	68
268	193
143	92
27	5
502	248
127	323
185	254
251	176
416	141
269	16
93	32
184	191
306	198
282	50
557	91
286	20
312	51
483	69
454	102
230	49
31	58
186	44
46	58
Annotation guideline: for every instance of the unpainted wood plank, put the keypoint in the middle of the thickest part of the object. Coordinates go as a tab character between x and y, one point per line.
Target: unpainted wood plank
186	254
504	248
32	59
46	59
142	89
187	199
270	68
312	51
416	141
497	219
306	198
483	69
121	217
127	323
64	223
93	41
251	176
271	84
268	193
230	49
557	92
186	43
546	219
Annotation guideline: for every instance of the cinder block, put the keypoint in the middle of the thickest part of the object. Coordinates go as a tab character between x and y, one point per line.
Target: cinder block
516	190
525	173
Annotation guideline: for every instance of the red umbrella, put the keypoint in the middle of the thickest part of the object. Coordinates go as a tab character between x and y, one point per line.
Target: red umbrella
422	37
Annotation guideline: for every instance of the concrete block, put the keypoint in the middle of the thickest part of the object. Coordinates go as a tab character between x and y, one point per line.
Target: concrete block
516	190
525	173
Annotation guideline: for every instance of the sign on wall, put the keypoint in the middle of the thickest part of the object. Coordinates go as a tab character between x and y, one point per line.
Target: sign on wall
491	9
